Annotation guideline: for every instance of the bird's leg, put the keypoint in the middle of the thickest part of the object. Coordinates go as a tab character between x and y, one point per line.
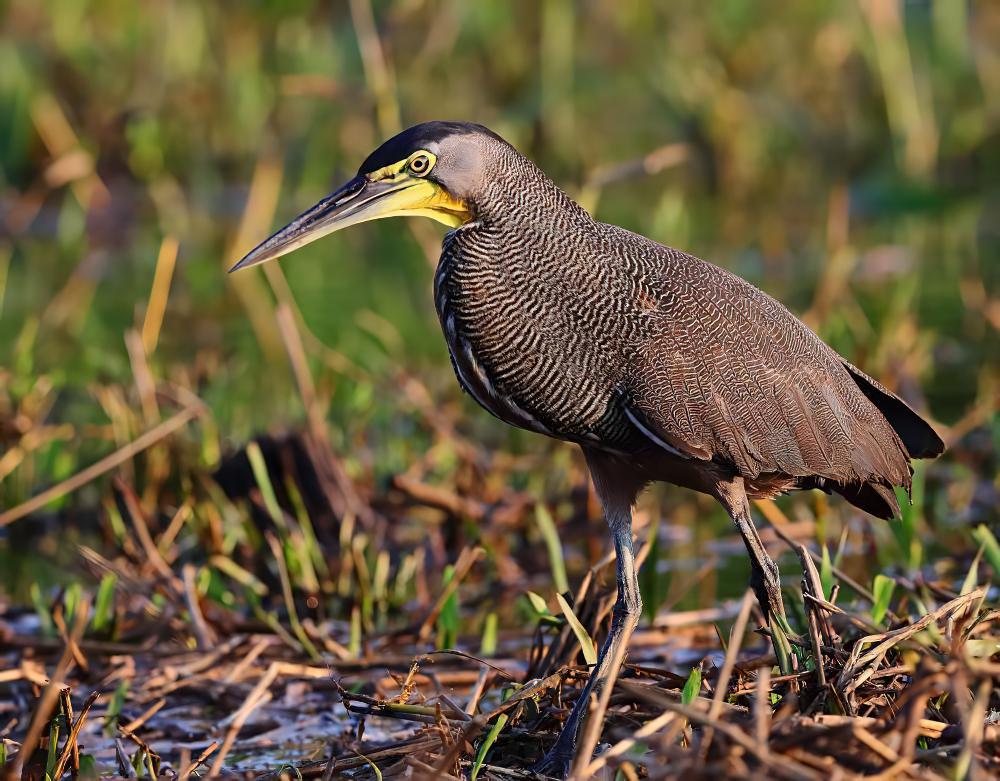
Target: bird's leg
624	617
763	571
764	577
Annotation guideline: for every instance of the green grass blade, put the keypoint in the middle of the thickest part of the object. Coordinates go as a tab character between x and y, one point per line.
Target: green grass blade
554	546
586	642
882	588
259	468
692	687
653	581
53	755
373	766
487	743
247	579
488	645
539	605
826	573
104	605
447	621
354	643
972	576
88	768
782	648
115	707
71	602
982	535
42	609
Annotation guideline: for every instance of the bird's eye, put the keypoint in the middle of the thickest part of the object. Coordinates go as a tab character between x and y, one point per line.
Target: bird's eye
420	165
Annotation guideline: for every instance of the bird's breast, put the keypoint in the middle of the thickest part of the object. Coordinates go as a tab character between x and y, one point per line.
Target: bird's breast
539	349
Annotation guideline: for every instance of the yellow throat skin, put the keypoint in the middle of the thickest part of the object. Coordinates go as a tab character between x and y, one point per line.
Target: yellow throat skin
419	197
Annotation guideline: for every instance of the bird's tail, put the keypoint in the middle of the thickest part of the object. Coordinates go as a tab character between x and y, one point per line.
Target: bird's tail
916	434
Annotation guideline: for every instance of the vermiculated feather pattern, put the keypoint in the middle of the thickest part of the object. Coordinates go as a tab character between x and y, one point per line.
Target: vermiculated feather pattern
585	331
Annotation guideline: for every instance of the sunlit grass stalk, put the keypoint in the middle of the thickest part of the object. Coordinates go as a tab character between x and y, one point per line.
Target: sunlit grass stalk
310	541
270	620
359	546
447	620
286	590
404	576
905	529
487	744
346	555
260	473
380	583
52	756
488	643
991	548
42	610
115	706
233	570
692	686
104	605
587	646
972	576
156	306
882	588
553	544
354	642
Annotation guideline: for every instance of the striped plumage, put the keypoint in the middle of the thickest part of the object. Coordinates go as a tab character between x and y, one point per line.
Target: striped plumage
588	332
659	365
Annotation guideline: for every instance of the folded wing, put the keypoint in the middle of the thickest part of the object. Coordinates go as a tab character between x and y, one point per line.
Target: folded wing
731	375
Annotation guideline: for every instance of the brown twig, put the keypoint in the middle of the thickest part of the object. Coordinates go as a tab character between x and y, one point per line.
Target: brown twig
106	464
202	757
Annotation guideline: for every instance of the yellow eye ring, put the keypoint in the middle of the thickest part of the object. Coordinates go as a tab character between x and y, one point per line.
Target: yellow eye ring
420	165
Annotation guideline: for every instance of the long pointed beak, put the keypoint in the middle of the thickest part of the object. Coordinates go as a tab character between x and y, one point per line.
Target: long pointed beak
357	201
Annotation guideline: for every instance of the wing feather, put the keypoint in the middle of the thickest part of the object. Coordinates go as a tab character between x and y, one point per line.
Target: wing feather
730	373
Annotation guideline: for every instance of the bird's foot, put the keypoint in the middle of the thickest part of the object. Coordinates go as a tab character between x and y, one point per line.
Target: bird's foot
559	759
556	763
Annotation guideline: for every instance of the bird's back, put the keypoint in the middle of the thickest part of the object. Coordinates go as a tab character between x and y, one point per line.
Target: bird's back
589	332
731	375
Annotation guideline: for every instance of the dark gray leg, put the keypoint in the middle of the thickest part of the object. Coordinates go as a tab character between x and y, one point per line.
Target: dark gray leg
624	617
764	577
763	571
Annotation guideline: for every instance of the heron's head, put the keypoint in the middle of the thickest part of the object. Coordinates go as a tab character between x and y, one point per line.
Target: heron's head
431	170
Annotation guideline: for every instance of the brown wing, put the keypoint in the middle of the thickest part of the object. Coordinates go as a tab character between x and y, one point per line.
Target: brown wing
730	374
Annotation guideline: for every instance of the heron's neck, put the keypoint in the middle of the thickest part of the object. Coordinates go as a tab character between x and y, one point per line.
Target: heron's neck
520	199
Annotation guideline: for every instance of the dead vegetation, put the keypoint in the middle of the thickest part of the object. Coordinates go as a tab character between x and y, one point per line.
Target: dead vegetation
224	638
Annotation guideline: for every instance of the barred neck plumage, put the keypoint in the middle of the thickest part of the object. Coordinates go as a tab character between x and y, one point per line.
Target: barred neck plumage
516	195
523	298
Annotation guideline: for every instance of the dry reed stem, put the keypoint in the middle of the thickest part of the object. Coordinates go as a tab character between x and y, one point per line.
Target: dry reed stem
257	696
106	464
202	758
50	697
156	305
625	745
206	638
722	685
262	201
861	664
463	564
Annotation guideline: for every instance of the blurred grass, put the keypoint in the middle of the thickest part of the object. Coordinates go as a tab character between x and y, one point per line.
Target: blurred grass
845	157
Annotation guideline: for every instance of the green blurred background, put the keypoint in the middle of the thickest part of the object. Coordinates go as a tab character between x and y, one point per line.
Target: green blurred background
844	156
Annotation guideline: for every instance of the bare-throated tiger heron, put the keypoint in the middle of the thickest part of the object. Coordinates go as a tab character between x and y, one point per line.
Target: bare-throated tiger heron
660	366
